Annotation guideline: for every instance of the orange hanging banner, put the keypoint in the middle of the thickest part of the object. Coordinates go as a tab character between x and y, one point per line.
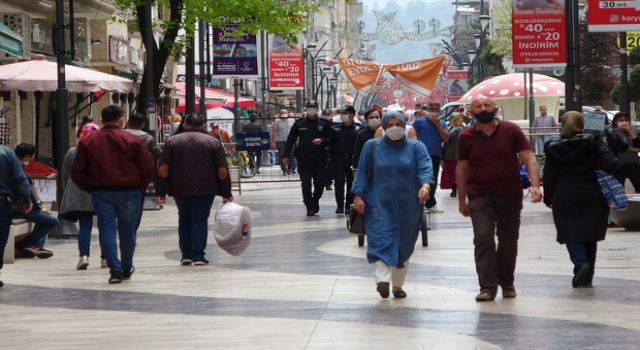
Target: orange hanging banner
419	76
363	75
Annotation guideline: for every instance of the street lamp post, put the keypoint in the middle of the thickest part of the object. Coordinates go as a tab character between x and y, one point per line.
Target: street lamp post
480	39
472	56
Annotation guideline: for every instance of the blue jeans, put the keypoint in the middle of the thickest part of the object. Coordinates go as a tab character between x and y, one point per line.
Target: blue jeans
5	226
85	221
117	210
583	253
193	217
43	224
431	202
541	140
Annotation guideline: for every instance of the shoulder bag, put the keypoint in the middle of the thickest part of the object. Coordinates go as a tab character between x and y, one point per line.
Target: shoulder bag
355	220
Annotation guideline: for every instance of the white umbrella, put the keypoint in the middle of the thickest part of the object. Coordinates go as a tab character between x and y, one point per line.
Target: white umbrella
42	75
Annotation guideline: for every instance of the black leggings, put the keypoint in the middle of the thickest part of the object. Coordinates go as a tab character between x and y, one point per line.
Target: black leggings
631	172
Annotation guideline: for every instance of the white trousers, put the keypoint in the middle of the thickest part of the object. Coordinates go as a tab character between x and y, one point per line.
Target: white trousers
386	273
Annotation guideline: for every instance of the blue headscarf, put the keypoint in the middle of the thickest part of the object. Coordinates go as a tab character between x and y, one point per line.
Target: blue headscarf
395	114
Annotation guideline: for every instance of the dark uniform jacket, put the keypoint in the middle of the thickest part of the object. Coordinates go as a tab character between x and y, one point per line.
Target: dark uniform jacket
344	140
363	136
304	131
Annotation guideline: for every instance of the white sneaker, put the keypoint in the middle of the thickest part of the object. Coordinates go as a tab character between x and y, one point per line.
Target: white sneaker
83	263
103	263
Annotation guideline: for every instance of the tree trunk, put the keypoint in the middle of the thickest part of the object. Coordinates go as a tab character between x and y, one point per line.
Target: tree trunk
161	53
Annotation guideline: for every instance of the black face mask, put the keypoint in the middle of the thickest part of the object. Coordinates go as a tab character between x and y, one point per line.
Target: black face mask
485	117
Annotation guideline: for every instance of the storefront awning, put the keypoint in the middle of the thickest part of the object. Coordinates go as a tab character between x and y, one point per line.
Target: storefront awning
10	41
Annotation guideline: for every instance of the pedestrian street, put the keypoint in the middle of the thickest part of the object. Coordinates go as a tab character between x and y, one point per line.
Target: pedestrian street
305	284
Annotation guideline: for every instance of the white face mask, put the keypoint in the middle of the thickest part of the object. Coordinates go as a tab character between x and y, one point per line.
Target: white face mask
623	124
394	133
374	123
344	117
284	116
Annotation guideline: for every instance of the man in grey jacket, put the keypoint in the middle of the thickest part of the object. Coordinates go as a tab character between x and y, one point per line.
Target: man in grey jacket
14	190
136	123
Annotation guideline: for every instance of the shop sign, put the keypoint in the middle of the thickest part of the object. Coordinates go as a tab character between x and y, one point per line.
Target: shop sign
286	68
538	34
613	15
235	57
10	41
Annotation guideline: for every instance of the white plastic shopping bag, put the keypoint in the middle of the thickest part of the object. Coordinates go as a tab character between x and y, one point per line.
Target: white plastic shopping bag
233	227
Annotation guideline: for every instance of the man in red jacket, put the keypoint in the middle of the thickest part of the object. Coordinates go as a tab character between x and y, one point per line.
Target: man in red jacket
114	166
193	170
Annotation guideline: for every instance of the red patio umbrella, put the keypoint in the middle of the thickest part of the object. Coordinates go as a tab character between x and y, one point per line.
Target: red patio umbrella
214	98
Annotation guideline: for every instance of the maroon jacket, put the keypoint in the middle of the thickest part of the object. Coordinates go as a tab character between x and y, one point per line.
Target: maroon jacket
190	165
112	159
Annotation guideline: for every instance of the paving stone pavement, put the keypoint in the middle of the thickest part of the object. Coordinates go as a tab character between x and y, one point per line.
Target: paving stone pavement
305	284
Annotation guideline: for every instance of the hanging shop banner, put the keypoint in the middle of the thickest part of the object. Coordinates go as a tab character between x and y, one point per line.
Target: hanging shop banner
363	75
419	76
538	34
286	69
235	57
613	16
457	84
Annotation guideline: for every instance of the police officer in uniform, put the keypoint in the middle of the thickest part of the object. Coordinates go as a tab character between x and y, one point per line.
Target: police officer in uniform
341	157
313	135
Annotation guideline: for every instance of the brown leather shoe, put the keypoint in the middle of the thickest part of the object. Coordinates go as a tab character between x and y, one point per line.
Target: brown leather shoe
509	292
383	289
485	295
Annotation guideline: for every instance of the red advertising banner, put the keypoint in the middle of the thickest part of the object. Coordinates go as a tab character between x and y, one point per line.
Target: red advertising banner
286	68
613	15
538	33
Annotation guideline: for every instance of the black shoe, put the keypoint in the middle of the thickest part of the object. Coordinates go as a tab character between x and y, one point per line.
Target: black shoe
316	207
258	172
453	193
580	276
116	277
311	212
127	274
1	284
328	188
200	262
383	289
399	294
340	210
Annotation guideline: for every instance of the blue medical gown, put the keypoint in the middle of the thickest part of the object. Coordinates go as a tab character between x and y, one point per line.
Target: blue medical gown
392	208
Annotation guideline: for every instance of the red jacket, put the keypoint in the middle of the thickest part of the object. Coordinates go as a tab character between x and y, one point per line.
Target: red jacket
112	159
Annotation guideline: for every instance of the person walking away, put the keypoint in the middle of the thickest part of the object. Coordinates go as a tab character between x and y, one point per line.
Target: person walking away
544	124
571	190
15	190
450	155
487	174
341	156
373	117
254	127
135	125
76	205
193	170
432	132
625	144
312	135
280	128
391	193
33	245
114	166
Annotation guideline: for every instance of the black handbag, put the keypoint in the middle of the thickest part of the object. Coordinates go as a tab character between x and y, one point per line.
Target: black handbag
355	222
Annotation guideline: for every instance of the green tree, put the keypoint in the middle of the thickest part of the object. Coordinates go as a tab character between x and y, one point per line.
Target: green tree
501	42
280	17
598	53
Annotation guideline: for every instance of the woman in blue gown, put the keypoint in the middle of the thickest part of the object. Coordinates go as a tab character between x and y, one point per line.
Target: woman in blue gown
390	189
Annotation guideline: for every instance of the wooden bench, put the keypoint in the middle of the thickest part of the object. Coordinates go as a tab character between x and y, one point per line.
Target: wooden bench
20	228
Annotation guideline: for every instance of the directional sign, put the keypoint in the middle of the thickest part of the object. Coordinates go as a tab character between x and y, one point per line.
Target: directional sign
613	15
246	141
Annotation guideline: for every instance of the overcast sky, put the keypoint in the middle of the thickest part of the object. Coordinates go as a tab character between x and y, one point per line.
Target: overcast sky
407	11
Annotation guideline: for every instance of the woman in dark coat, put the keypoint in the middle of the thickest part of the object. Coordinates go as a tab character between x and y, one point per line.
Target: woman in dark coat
571	189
